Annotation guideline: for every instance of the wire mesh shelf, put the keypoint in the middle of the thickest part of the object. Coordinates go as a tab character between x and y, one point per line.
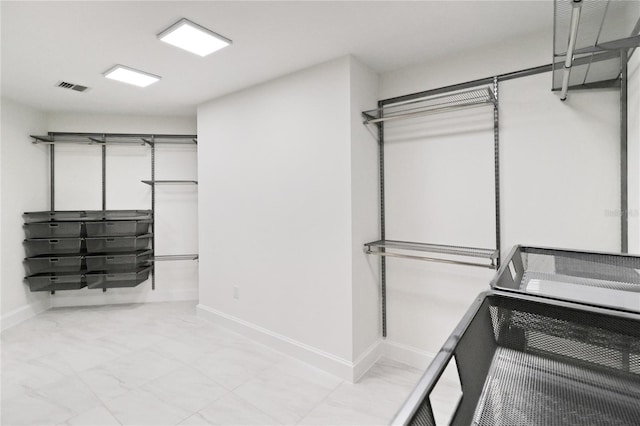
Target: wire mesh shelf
414	250
170	182
100	139
604	29
431	105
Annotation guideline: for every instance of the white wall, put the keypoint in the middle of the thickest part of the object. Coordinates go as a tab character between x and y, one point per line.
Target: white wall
633	106
78	186
24	188
559	176
364	212
511	54
276	213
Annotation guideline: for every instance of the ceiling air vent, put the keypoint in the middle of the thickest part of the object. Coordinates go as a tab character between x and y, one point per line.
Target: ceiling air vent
76	87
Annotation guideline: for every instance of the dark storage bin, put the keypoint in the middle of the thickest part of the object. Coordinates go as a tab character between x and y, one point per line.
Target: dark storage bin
524	360
603	279
46	246
53	264
53	229
118	279
118	262
51	282
117	244
86	215
117	228
71	215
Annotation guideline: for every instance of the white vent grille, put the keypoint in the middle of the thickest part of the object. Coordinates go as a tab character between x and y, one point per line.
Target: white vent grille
67	85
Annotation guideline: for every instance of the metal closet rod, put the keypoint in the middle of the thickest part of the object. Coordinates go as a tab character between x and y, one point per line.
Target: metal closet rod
501	77
573	36
382	247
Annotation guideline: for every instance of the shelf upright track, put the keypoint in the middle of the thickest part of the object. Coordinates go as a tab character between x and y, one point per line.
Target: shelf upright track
153	210
624	152
496	166
52	177
383	259
466	95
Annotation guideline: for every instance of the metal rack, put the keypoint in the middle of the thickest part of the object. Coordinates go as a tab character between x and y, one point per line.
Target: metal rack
591	39
431	105
103	140
468	95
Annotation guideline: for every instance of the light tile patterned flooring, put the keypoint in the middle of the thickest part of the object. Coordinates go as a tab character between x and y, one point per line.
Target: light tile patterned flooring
159	364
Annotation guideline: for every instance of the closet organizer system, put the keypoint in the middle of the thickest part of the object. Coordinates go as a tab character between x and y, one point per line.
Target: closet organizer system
593	41
70	250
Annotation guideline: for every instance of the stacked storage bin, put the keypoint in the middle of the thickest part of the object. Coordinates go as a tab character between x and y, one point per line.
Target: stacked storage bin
70	250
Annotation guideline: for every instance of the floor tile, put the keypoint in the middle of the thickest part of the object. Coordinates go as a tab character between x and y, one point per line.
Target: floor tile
337	413
82	355
231	410
98	416
231	367
71	394
179	350
159	363
139	408
287	391
33	374
195	420
29	408
186	388
127	372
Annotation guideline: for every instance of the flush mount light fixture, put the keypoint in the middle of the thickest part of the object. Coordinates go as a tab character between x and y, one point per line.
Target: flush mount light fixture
131	76
196	39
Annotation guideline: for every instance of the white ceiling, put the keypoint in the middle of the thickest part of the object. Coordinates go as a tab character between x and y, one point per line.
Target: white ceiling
76	41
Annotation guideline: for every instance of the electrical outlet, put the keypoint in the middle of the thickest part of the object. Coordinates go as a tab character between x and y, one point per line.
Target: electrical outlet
236	292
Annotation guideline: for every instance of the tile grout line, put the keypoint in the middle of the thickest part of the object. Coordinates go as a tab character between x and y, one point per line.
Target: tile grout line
321	401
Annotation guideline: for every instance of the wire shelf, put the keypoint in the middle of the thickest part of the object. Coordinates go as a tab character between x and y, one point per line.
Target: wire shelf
100	139
412	250
431	105
170	182
605	28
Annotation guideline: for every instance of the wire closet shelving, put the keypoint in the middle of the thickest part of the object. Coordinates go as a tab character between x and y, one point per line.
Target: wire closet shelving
105	139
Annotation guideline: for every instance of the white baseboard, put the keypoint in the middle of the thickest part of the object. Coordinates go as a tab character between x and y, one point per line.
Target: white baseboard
406	354
92	297
23	313
340	367
367	359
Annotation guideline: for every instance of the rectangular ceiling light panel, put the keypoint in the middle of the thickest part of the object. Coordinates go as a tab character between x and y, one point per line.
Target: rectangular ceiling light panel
131	76
194	38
